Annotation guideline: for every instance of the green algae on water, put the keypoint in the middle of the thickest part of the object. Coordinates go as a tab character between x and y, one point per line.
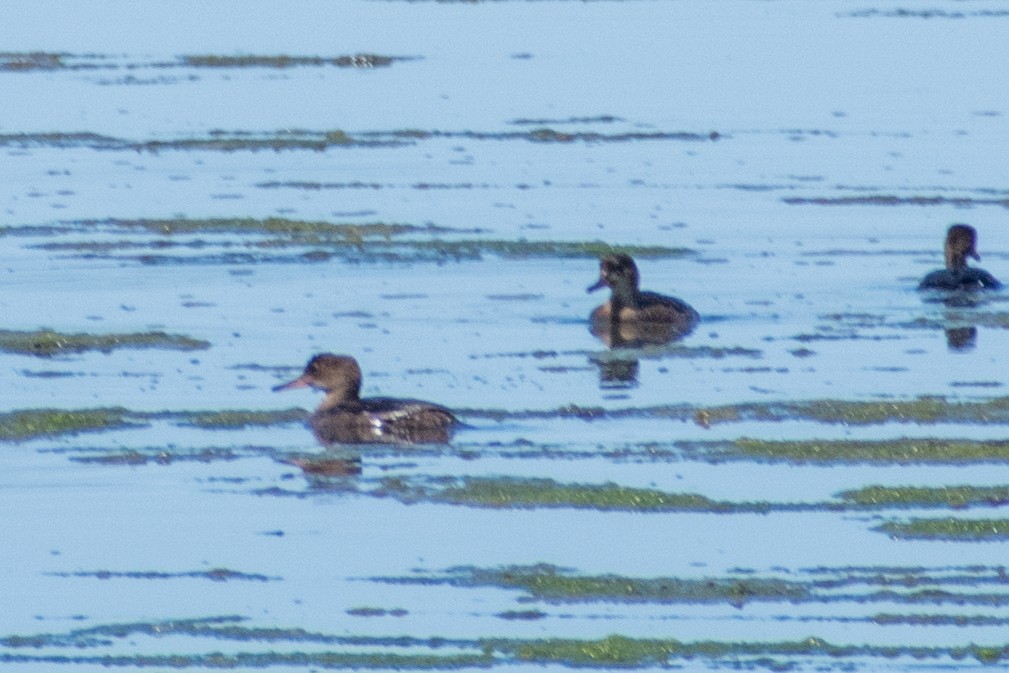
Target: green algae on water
41	60
901	450
283	61
557	585
617	651
551	584
34	60
235	419
528	493
922	410
269	225
373	241
949	529
28	424
946	496
47	342
214	574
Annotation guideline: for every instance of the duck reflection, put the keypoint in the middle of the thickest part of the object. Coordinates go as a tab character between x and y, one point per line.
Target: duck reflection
961	338
617	372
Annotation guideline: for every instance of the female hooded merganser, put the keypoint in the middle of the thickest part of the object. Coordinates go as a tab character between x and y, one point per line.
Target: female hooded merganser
345	418
961	243
631	316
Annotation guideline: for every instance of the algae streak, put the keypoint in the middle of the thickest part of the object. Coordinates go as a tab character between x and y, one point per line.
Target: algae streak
235	419
47	343
528	493
949	529
947	496
17	426
859	451
621	651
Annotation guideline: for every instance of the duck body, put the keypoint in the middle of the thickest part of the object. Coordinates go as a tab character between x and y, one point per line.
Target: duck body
345	418
961	243
649	307
632	316
383	420
967	279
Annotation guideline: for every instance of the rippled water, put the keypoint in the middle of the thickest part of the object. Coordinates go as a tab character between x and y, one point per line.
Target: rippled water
426	186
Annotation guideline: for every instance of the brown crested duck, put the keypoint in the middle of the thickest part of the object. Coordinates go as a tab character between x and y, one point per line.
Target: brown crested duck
631	316
345	418
961	243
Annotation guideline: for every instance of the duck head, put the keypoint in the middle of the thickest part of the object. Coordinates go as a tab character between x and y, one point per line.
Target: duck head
339	376
961	243
618	272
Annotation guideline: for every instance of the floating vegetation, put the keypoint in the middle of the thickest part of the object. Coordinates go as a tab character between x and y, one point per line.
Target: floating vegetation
214	574
536	493
890	200
902	13
522	493
263	660
922	411
270	225
47	343
235	419
301	139
553	584
62	140
251	61
889	619
34	423
161	456
49	61
376	612
947	496
16	426
954	586
902	450
550	135
623	652
223	141
950	529
374	241
34	60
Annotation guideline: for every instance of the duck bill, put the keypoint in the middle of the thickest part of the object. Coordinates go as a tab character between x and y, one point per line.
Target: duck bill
300	382
597	285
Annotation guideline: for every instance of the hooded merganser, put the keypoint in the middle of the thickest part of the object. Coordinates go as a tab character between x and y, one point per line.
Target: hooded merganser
961	243
632	316
345	418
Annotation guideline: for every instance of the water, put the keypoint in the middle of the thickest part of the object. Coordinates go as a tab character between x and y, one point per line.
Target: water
807	157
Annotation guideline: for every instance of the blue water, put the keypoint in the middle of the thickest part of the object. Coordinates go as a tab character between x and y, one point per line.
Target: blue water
764	111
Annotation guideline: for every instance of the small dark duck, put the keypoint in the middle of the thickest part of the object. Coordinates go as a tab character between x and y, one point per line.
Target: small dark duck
345	418
961	243
632	317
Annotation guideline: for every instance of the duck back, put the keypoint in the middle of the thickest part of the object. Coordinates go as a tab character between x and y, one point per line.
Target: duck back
384	420
968	278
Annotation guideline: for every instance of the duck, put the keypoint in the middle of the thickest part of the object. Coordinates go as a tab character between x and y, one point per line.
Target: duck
961	243
633	317
344	418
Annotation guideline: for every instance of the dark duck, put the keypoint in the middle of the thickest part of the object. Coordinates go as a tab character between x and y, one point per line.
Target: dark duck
961	243
345	418
632	317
